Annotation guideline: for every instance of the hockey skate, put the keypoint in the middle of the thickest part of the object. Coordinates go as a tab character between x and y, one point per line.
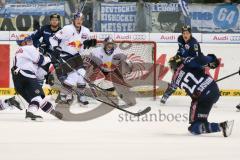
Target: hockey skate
63	99
33	117
227	127
82	99
12	102
238	108
69	99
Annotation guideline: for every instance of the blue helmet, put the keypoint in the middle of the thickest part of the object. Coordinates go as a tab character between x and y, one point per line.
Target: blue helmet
23	38
106	42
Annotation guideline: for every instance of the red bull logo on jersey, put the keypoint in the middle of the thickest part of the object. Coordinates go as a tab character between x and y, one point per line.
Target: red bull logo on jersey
75	44
108	66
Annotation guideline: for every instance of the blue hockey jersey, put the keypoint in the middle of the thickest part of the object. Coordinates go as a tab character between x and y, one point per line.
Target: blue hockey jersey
189	49
191	76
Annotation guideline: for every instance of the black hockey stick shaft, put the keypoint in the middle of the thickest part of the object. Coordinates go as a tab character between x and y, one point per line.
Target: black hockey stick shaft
230	75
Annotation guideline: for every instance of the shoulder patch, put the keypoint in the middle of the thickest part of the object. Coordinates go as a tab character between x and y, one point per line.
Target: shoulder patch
196	47
180	44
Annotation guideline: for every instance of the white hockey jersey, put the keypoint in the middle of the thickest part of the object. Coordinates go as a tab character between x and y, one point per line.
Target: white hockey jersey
106	62
70	40
28	60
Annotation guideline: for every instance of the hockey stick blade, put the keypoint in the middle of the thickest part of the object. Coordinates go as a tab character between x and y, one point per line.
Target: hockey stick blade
145	111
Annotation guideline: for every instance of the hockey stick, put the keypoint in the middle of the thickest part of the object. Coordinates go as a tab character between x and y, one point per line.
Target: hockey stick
83	6
146	110
114	105
230	75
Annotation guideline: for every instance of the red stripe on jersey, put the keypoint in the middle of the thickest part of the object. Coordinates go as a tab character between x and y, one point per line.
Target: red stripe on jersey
4	65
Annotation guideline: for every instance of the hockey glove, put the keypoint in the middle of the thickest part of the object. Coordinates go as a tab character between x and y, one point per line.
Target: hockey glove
169	91
89	43
215	63
49	79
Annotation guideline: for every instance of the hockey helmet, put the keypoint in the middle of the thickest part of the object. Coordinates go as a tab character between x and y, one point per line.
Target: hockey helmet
77	15
23	38
186	28
109	45
55	15
175	62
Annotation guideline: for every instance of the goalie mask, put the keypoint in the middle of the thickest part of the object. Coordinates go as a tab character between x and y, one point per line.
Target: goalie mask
175	62
109	45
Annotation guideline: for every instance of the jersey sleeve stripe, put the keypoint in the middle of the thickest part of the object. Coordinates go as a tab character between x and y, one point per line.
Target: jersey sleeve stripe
40	61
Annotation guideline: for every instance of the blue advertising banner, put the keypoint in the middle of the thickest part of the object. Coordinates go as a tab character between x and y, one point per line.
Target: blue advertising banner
10	10
215	18
117	17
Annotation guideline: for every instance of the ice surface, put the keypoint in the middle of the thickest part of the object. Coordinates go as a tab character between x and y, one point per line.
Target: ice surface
111	137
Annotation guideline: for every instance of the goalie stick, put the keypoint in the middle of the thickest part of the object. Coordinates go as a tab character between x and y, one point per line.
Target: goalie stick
114	105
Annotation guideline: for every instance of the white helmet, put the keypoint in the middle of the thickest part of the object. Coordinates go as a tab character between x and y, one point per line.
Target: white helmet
109	45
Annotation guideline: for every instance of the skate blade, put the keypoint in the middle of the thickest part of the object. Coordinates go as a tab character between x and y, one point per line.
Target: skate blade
229	128
83	105
33	120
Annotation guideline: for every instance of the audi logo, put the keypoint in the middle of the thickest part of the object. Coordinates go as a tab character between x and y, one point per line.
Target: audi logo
235	38
139	37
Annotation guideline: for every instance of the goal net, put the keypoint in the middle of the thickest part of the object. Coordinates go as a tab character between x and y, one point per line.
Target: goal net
143	56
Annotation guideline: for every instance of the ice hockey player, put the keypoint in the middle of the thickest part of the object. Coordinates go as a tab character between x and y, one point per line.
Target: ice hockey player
189	75
45	32
74	38
188	47
10	103
26	63
111	62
